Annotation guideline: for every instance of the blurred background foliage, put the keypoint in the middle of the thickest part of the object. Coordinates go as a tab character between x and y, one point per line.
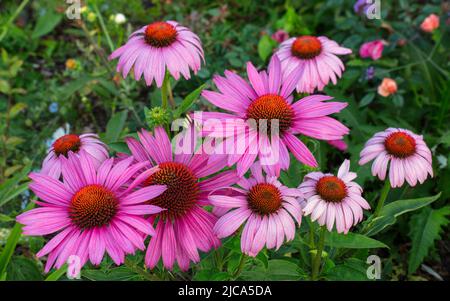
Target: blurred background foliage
55	78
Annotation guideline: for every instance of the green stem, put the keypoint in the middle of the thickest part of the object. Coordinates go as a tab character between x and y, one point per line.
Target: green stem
170	94
164	90
240	266
12	18
383	196
103	26
318	257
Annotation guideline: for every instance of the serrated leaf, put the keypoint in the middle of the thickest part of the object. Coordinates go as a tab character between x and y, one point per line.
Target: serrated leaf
352	241
352	269
391	211
188	101
425	228
278	269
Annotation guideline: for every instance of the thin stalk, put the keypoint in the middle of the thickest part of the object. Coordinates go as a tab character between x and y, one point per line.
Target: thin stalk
105	30
13	17
383	196
318	257
240	266
164	91
170	94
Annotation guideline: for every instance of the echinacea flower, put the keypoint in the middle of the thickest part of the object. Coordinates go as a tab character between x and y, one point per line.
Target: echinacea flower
184	227
266	100
91	210
373	49
268	209
334	200
387	87
430	23
157	47
314	58
409	156
75	144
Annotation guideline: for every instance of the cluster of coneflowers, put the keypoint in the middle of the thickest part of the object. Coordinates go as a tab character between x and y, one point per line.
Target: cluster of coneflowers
92	203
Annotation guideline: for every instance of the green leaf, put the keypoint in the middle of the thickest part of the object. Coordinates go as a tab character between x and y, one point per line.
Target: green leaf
46	23
121	273
5	88
16	109
352	241
115	126
188	101
265	47
120	147
8	250
367	99
11	188
278	269
391	211
352	269
22	268
57	274
425	228
4	218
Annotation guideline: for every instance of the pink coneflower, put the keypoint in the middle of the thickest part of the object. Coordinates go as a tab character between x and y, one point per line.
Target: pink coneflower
334	199
269	98
410	157
158	46
314	58
91	210
185	226
372	49
268	209
73	143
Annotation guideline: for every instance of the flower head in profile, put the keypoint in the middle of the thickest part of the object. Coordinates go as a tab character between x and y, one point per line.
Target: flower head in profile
92	211
184	227
268	209
430	23
315	58
280	36
387	87
373	49
158	47
407	153
257	106
334	200
90	143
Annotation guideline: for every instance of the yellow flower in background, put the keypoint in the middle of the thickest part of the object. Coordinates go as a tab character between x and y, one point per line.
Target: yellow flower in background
71	64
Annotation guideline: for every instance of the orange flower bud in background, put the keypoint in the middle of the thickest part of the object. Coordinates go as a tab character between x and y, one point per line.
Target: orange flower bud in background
388	86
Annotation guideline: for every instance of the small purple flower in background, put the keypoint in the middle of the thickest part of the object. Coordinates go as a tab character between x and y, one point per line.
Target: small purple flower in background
280	36
53	107
370	72
361	6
